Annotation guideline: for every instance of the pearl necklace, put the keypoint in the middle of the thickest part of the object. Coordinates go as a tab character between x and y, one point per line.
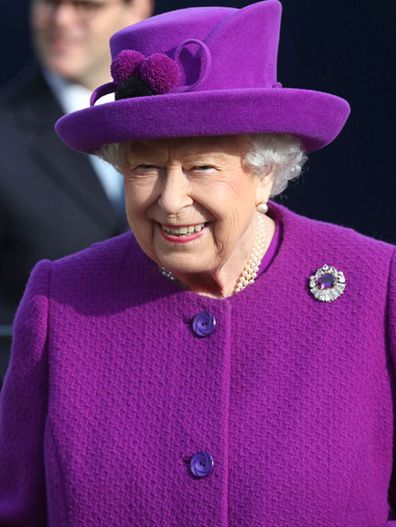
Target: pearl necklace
249	273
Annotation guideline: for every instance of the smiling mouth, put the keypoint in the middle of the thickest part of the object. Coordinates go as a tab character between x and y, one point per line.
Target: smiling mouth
183	230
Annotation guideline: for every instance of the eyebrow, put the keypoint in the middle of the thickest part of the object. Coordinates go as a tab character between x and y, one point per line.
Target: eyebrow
144	151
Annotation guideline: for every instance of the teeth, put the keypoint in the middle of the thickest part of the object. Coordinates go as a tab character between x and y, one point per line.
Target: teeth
180	231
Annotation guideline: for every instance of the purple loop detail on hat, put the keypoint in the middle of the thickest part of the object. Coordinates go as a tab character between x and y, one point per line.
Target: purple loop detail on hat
101	91
205	64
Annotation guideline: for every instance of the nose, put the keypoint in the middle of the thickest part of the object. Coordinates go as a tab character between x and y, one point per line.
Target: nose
174	191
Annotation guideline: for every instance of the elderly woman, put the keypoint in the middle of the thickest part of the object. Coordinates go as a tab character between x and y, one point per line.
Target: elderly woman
230	363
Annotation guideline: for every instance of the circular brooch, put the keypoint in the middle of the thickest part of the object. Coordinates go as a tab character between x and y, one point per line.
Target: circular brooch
327	284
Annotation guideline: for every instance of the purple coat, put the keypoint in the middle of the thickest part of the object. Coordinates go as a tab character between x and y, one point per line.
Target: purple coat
110	393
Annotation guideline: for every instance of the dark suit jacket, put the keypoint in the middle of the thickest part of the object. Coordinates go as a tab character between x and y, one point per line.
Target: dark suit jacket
51	201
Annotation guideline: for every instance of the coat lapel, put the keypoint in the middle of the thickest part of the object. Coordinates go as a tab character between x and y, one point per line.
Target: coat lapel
71	171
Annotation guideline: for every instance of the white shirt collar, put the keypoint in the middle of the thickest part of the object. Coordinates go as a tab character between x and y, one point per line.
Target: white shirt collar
71	97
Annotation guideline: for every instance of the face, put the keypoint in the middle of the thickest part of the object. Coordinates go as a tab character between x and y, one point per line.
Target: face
191	203
71	36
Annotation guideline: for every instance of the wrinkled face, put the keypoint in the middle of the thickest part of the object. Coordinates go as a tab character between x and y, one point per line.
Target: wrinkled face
72	36
191	203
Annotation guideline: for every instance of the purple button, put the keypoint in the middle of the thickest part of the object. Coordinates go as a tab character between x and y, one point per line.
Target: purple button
203	324
201	464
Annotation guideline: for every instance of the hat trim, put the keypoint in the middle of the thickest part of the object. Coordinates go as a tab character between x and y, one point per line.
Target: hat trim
316	117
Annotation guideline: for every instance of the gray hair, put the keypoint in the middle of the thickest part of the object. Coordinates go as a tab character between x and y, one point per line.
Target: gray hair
281	153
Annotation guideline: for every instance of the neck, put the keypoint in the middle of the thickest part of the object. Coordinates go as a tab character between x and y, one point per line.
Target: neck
223	282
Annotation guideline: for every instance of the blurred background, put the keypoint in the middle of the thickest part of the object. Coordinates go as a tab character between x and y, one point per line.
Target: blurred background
345	47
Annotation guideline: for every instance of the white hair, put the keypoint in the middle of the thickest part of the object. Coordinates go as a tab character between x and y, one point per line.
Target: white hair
115	153
281	154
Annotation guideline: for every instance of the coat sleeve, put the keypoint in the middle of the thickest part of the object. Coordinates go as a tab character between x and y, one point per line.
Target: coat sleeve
23	410
392	343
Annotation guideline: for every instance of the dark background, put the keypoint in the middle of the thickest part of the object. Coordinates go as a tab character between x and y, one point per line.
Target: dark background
346	47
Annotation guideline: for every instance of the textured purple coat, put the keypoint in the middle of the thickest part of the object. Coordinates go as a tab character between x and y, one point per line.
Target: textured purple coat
109	392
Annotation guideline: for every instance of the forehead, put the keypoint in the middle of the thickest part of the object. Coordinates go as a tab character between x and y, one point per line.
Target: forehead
187	146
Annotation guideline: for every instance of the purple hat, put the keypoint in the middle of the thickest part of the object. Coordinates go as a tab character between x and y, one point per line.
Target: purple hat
202	71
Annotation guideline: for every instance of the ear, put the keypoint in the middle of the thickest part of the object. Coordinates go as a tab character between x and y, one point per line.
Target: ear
264	186
139	10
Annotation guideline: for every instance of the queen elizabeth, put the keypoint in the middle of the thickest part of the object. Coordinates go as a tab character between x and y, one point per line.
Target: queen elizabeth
227	362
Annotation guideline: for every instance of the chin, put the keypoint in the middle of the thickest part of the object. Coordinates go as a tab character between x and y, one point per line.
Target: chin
187	266
64	69
64	63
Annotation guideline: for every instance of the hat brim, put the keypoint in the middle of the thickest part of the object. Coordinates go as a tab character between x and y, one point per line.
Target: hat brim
316	117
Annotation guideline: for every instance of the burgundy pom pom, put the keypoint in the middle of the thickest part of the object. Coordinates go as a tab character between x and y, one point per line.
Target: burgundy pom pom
160	72
126	64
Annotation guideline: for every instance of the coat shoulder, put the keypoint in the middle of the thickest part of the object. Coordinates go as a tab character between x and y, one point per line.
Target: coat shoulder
107	276
317	237
107	255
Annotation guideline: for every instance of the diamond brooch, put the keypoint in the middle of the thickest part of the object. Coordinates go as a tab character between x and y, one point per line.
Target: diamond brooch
327	284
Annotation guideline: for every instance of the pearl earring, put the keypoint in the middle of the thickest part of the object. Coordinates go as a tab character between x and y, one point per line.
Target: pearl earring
262	208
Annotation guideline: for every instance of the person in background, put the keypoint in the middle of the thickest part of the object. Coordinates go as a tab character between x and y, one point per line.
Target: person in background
54	201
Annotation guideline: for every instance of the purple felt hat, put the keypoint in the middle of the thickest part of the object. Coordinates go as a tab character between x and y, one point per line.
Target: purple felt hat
202	71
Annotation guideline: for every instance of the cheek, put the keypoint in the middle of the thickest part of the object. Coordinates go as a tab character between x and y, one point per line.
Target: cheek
143	230
39	23
138	200
234	203
104	28
139	193
235	216
135	211
228	229
96	39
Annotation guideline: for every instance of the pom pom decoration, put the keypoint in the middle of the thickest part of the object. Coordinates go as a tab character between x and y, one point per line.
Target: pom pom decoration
137	76
132	87
125	65
160	73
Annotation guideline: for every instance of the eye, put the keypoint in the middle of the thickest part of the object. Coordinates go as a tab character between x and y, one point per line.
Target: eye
89	4
203	168
146	168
